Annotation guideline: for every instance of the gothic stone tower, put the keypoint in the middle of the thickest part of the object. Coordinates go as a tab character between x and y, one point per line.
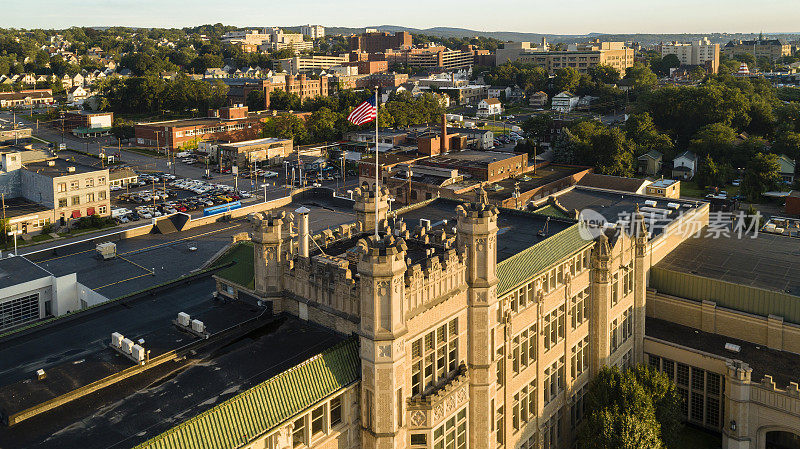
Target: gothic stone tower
365	207
382	268
265	232
477	238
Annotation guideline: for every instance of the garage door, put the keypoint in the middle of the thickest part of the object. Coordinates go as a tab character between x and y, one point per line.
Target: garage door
19	311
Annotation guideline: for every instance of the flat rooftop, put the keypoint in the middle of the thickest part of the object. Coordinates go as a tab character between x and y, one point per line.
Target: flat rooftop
16	270
469	158
249	143
532	180
616	207
59	167
18	207
784	367
768	261
153	401
663	183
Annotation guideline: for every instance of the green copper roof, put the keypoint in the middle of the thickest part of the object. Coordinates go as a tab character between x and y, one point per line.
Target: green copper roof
552	211
260	409
242	272
520	267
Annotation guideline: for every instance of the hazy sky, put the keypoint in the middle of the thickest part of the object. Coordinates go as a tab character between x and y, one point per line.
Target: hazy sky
536	16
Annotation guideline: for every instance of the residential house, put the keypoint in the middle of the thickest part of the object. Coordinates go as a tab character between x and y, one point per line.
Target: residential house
787	168
77	95
564	102
650	163
499	92
489	107
684	166
538	100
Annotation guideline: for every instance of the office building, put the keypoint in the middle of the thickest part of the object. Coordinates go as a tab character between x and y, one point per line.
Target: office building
578	56
771	49
246	153
378	42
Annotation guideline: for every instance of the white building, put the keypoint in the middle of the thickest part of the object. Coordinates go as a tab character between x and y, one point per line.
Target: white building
313	31
684	166
564	102
29	293
489	106
701	52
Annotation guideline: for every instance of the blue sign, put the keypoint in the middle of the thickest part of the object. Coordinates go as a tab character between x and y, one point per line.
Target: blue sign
227	207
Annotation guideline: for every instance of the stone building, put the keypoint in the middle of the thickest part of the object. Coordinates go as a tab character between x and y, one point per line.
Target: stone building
467	338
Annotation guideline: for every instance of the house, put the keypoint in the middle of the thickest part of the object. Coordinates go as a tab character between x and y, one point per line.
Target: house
517	94
684	166
489	106
787	168
650	163
668	188
564	102
538	99
499	92
77	95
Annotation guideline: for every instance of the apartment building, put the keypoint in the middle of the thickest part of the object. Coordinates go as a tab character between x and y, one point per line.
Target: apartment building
306	63
313	31
433	58
578	56
701	52
71	190
243	154
301	85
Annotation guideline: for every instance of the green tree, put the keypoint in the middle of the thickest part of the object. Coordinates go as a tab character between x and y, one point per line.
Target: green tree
566	79
603	73
762	174
716	139
538	126
641	130
641	76
286	126
322	125
636	408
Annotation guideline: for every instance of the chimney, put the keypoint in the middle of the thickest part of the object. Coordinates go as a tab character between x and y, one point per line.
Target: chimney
445	140
303	211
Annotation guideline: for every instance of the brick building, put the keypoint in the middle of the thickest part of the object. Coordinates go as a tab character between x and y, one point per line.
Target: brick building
377	42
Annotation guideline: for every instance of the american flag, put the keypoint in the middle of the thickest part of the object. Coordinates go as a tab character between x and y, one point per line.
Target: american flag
364	113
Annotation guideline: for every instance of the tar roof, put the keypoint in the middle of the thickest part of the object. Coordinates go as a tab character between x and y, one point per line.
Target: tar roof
469	158
16	270
532	180
17	207
59	167
162	397
768	261
781	365
617	207
612	182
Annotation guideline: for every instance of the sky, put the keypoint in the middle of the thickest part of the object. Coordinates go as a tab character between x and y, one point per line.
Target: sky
534	16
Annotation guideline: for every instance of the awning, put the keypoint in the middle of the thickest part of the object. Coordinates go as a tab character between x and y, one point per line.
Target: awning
90	211
76	214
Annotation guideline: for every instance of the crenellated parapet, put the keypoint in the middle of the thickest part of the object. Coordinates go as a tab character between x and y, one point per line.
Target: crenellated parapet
435	279
366	207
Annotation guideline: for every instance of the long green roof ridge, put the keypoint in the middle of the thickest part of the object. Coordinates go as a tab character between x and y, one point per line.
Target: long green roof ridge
260	409
551	211
520	267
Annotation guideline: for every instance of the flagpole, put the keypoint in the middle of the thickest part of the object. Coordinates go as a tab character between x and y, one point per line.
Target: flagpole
377	167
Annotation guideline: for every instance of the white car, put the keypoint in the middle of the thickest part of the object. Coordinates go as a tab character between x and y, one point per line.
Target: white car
114	188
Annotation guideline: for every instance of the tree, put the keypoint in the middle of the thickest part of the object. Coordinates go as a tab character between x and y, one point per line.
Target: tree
641	76
636	408
255	100
708	174
538	126
566	79
603	73
322	125
761	175
643	132
286	126
716	139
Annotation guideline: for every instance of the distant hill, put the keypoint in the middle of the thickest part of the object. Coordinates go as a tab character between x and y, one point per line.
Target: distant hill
535	37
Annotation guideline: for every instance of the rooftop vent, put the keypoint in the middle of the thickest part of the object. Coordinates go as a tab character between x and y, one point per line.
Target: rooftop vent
71	169
51	163
650	203
732	347
40	374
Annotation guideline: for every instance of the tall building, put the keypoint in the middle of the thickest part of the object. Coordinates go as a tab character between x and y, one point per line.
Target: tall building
578	56
701	52
378	42
434	58
313	31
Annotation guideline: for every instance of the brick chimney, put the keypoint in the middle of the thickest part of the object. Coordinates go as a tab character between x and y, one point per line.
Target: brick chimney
445	139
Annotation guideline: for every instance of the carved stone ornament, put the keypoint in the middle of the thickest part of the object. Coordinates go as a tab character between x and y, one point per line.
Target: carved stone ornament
417	418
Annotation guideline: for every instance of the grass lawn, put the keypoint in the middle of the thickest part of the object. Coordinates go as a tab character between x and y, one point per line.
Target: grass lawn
694	438
41	238
690	189
497	130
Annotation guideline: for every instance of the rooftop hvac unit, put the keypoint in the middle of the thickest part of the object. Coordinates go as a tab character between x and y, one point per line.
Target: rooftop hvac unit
425	223
116	339
107	250
127	345
137	352
650	203
40	374
198	326
184	319
673	206
732	347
